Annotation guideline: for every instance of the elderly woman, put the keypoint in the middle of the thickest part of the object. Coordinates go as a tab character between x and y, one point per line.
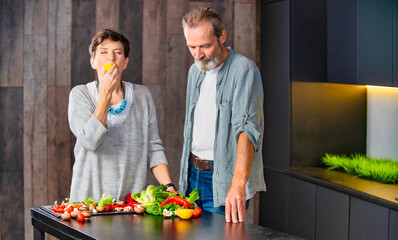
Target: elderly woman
115	126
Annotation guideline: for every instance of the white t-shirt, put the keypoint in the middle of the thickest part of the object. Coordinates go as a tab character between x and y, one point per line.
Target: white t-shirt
205	116
117	119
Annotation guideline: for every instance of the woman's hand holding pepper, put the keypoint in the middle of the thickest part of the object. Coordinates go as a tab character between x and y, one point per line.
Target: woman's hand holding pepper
108	82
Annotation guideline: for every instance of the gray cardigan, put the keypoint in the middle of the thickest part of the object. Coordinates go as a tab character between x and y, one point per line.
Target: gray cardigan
113	160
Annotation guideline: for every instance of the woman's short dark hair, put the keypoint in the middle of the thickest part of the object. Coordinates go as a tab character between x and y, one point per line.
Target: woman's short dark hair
112	34
195	16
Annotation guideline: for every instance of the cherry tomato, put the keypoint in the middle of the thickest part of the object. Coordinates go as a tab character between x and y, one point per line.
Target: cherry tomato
196	212
80	217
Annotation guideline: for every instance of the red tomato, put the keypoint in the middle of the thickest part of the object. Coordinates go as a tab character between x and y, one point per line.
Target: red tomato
80	217
196	212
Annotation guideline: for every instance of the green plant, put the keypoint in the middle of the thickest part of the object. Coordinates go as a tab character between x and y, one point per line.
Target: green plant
378	169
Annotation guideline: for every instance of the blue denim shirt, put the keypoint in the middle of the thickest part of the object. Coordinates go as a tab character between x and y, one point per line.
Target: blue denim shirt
239	99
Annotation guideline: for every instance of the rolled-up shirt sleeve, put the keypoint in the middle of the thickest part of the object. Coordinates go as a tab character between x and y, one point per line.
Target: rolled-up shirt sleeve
88	130
247	112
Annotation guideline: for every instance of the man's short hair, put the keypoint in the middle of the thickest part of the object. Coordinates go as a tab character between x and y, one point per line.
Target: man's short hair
197	15
112	34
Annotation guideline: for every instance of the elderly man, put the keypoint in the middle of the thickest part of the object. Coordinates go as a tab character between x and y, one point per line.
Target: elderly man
223	131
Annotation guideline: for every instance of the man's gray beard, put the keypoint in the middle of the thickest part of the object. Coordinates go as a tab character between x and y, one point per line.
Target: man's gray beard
207	63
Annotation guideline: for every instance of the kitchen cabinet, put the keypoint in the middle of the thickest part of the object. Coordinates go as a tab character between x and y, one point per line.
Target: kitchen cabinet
327	42
274	203
352	42
302	202
332	214
375	42
393	233
346	206
368	220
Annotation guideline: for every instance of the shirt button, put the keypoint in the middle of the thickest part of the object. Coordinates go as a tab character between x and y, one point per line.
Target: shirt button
193	103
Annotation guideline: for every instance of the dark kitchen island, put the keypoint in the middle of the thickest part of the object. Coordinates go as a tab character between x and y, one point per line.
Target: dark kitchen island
132	226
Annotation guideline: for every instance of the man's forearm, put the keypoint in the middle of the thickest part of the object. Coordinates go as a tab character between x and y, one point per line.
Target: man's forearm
244	159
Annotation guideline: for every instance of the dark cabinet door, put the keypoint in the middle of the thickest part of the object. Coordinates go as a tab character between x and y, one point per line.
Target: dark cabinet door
375	42
368	220
302	202
332	214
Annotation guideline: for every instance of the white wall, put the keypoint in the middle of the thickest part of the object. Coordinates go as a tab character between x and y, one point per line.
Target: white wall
382	122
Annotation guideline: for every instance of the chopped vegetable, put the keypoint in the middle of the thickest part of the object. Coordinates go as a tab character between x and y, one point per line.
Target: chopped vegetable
193	196
88	201
105	200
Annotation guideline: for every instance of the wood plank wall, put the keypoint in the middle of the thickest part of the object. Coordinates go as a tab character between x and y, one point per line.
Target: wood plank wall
44	53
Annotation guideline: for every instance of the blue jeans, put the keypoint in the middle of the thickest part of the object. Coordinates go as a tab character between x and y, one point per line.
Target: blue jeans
203	181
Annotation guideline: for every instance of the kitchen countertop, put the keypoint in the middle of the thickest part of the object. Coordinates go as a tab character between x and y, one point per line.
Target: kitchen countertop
131	226
380	193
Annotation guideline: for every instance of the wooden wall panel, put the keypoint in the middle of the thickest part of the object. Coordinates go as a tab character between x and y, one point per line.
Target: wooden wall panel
175	11
226	10
195	4
36	16
11	26
245	30
176	74
154	42
59	42
11	167
83	29
131	26
106	14
245	1
35	143
59	166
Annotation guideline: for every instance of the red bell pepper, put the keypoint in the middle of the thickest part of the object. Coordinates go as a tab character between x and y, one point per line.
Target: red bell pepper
69	209
58	209
177	200
129	199
108	207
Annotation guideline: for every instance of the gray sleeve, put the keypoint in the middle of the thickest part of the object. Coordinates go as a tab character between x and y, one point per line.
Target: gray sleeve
156	152
88	130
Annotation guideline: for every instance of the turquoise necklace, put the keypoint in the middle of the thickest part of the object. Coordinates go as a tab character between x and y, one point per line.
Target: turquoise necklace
122	104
